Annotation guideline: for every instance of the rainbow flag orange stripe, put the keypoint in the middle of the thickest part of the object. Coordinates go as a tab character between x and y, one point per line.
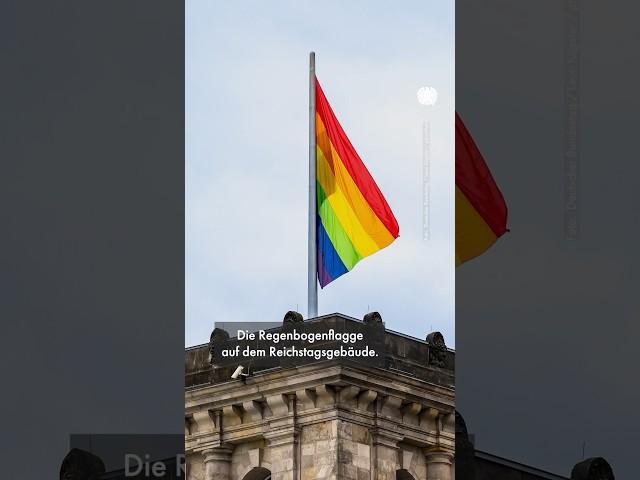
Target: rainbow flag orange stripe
481	212
354	219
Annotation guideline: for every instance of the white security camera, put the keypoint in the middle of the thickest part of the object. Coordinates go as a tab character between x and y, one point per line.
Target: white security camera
238	372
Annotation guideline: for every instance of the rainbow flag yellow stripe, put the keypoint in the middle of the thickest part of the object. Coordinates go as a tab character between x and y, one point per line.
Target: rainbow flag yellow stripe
481	212
354	219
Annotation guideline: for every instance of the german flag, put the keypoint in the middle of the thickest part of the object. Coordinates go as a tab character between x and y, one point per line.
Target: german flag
481	212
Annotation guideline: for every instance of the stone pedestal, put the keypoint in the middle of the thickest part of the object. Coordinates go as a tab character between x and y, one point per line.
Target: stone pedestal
439	464
217	463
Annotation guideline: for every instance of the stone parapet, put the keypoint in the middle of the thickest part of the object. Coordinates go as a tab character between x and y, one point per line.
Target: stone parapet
428	360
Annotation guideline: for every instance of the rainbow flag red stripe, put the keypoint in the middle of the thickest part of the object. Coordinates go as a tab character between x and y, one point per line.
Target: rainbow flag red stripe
354	219
481	212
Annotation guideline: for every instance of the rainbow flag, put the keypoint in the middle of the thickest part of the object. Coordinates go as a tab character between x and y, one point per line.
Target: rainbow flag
353	220
481	212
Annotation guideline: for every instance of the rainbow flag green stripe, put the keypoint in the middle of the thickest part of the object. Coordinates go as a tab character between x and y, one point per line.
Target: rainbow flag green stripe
354	219
340	241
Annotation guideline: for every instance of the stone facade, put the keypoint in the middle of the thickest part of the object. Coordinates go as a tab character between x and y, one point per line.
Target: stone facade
325	420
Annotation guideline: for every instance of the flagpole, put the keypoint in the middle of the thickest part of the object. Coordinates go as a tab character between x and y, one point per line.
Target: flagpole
312	268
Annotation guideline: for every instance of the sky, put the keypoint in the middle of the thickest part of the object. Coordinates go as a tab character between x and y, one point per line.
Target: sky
247	157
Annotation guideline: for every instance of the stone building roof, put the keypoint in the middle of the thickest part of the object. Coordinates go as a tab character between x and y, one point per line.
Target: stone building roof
474	464
489	466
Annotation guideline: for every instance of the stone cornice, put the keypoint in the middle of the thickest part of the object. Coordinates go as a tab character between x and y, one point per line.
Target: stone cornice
277	403
310	376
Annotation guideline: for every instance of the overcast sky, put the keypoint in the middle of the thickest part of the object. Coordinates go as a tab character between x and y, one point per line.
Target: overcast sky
247	156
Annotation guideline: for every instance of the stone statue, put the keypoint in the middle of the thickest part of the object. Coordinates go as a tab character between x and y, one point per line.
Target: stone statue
465	451
596	468
292	317
373	318
81	465
437	350
218	335
461	427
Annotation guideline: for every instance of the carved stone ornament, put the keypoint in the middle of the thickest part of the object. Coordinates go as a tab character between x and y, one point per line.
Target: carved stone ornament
218	335
437	350
592	469
292	317
461	427
373	318
81	465
465	452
